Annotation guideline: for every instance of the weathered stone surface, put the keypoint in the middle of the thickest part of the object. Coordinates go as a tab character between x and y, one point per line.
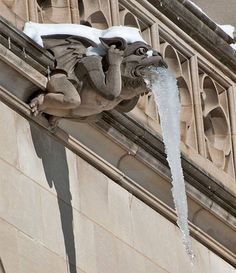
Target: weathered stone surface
30	163
217	265
9	247
52	233
153	268
129	260
153	235
8	147
105	202
15	11
36	258
47	162
20	202
93	193
105	243
85	243
119	202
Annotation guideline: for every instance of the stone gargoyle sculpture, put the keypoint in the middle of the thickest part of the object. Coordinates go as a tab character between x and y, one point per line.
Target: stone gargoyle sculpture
95	70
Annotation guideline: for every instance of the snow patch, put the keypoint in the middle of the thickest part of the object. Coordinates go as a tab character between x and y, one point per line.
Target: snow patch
228	29
35	31
196	6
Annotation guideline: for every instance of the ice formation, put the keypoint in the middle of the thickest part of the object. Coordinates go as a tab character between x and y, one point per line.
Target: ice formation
196	6
166	94
35	31
230	31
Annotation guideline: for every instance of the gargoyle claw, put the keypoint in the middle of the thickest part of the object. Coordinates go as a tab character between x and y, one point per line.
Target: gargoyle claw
36	103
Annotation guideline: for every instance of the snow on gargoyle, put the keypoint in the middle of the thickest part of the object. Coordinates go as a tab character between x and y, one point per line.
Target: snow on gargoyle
95	70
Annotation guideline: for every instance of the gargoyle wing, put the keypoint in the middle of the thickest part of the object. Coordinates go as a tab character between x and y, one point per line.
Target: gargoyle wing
67	50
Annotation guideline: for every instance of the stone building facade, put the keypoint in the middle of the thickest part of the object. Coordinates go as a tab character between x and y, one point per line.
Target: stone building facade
96	198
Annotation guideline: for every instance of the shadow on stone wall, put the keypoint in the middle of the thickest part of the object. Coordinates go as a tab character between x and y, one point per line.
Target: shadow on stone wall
54	161
2	270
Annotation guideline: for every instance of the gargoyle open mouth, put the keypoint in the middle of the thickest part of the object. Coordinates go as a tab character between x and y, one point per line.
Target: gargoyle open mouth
146	63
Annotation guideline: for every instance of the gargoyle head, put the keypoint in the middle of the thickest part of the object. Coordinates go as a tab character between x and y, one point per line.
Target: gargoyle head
138	58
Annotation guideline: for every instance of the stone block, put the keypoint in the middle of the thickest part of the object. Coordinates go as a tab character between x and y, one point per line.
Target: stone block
119	201
8	247
58	228
30	158
8	147
150	267
104	201
52	217
183	262
218	265
34	257
154	235
85	243
20	202
129	260
99	251
93	193
106	251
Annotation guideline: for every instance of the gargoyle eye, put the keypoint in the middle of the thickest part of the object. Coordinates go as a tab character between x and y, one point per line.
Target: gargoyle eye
141	51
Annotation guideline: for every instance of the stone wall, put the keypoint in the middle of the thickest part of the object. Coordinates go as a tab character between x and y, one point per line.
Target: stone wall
57	211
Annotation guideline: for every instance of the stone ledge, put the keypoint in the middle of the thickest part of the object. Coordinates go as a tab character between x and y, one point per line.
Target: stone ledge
24	47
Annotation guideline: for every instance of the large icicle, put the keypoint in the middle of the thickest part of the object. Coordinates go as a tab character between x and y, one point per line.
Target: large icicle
166	93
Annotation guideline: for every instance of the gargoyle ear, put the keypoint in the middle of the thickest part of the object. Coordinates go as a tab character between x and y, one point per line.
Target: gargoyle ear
119	42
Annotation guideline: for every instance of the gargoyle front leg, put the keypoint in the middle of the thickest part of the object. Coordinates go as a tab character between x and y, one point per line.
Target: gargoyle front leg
107	83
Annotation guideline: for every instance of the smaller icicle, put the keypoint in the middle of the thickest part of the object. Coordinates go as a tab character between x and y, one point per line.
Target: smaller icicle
9	43
48	73
24	53
166	94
